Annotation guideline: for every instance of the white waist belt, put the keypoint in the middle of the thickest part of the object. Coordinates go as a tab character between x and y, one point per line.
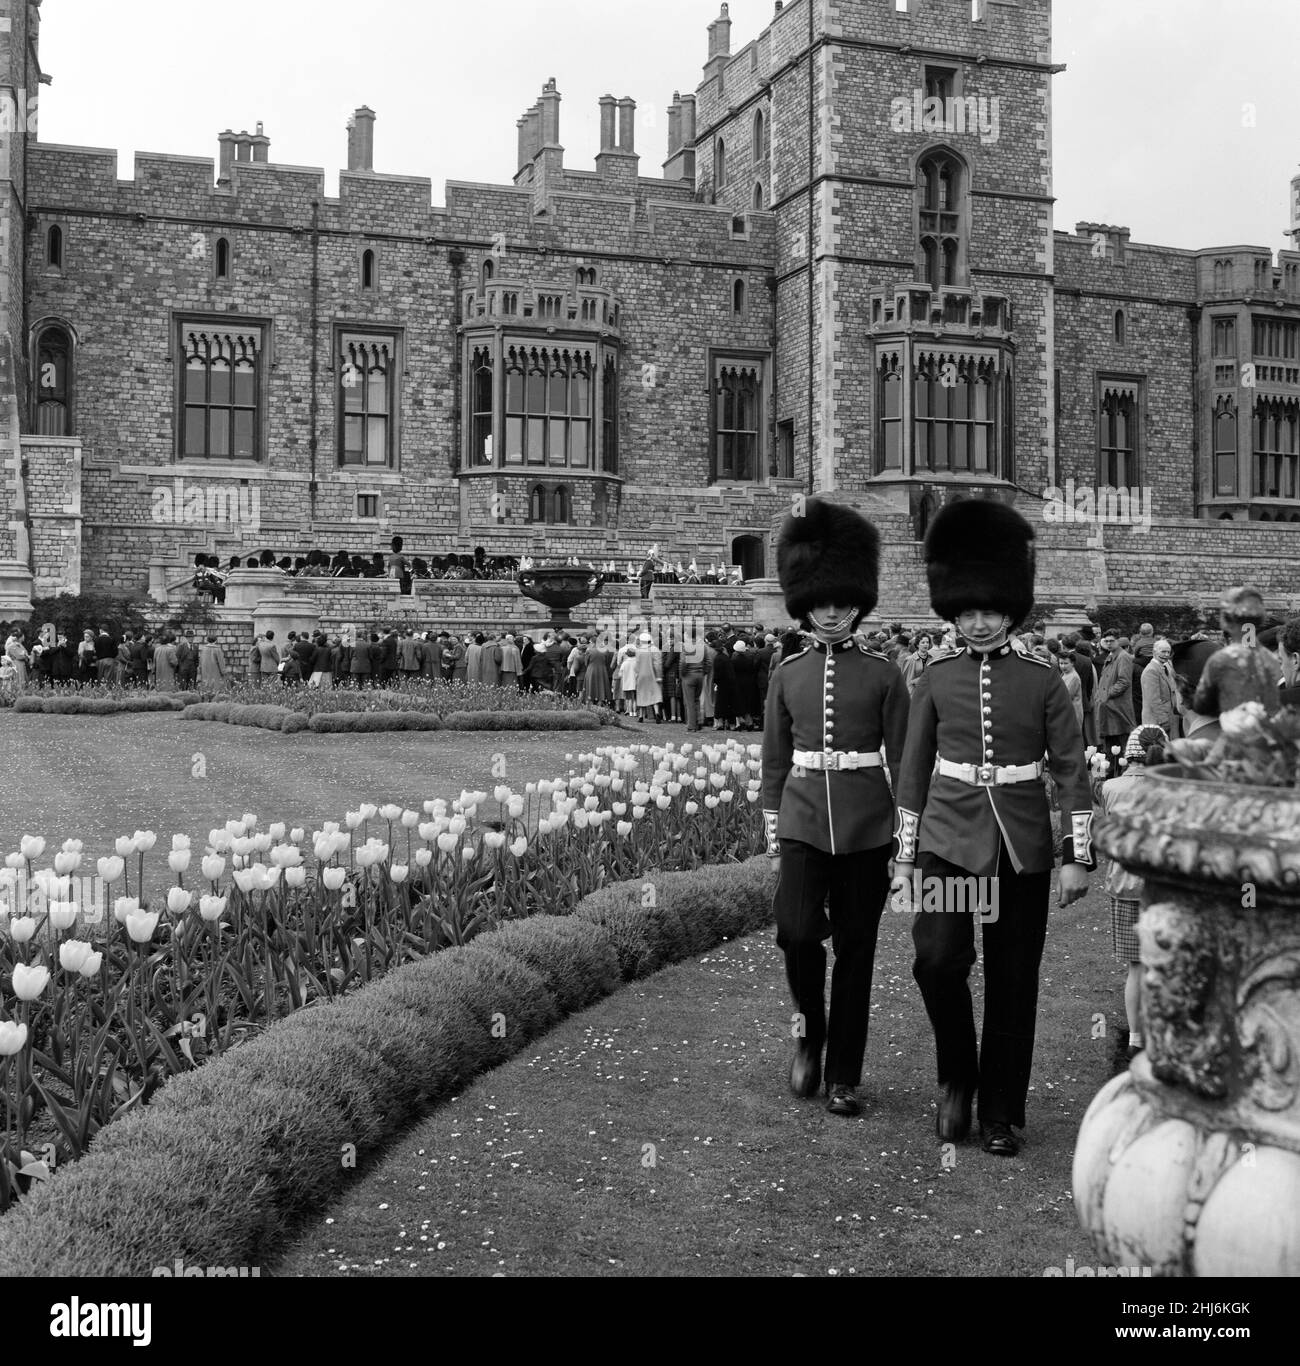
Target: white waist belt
833	760
990	775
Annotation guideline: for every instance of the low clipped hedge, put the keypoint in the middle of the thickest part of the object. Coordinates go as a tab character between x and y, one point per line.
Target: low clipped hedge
224	1160
291	722
361	722
71	704
521	720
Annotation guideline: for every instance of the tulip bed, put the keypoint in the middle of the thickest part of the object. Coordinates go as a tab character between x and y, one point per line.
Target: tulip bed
265	922
218	1168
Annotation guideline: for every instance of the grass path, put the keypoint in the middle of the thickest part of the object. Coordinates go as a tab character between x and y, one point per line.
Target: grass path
655	1135
94	778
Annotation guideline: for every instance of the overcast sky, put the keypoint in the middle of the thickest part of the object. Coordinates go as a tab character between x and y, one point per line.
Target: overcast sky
1151	126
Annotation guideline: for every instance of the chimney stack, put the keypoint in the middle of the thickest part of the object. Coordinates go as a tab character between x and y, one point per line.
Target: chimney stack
608	118
550	114
226	142
719	44
361	140
675	123
681	140
627	125
260	145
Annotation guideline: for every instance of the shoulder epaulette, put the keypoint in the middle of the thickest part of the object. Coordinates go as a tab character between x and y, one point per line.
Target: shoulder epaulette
875	654
797	655
943	656
1035	659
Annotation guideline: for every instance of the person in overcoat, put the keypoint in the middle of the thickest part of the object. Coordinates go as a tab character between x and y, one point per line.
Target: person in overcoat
974	822
833	708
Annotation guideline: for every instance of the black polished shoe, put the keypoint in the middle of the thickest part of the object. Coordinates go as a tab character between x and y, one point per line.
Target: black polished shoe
806	1072
953	1121
843	1101
999	1139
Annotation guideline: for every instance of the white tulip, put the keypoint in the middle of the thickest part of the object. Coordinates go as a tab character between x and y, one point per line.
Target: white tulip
297	835
124	846
276	831
352	820
178	860
73	954
32	846
212	907
447	841
333	877
423	858
180	841
368	811
467	852
624	828
213	866
692	808
410	819
295	877
398	872
29	982
141	927
178	900
145	840
63	914
13	1037
123	907
66	862
22	928
73	846
519	846
92	964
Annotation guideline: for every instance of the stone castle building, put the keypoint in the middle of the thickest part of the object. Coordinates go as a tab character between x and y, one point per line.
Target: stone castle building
842	277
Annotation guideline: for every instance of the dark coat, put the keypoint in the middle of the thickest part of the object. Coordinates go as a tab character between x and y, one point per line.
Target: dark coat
1006	710
846	699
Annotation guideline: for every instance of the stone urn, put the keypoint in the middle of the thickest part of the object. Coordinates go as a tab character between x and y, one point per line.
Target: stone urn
561	588
1189	1163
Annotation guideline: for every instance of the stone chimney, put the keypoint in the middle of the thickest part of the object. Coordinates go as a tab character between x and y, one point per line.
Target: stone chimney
548	160
681	142
719	44
226	141
361	140
260	145
617	164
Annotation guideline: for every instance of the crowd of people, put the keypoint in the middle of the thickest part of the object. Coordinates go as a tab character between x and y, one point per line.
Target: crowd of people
718	679
210	574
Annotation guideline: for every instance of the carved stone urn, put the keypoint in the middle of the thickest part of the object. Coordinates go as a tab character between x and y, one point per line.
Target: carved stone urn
1189	1163
561	588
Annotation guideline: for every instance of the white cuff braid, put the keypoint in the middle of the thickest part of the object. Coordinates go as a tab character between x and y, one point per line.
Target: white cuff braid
770	819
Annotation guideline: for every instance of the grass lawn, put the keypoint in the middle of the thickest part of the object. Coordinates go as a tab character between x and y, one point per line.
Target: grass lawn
655	1135
95	778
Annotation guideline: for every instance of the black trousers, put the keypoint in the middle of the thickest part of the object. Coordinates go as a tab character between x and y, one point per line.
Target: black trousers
1013	950
858	887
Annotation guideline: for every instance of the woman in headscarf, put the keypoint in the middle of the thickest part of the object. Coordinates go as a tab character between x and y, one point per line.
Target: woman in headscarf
744	663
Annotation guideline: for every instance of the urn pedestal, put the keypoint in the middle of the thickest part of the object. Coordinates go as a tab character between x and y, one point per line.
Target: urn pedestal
1189	1163
561	588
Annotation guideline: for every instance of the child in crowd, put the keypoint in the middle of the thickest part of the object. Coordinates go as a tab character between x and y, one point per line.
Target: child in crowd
1145	747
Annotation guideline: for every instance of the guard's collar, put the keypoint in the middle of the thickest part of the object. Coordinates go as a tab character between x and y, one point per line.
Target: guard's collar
998	652
838	648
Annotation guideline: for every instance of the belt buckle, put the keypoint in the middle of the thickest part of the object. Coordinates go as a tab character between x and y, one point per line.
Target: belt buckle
986	775
829	762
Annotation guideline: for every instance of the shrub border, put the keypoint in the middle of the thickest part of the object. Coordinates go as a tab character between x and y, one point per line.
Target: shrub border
224	1160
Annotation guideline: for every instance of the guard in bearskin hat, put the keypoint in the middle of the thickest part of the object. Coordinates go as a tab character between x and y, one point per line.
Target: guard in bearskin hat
830	708
974	827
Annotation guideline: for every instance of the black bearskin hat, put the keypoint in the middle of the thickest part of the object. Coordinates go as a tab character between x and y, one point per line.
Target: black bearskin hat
828	554
979	554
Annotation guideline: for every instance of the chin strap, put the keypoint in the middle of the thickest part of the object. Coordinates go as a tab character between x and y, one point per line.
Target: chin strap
769	824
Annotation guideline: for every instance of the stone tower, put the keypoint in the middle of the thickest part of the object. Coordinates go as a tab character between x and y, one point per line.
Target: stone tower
20	79
905	149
